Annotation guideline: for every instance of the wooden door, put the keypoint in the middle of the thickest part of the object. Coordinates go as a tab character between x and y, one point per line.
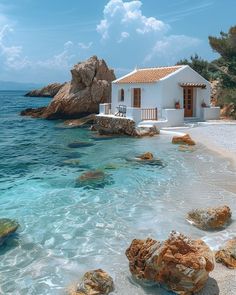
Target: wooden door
137	97
188	101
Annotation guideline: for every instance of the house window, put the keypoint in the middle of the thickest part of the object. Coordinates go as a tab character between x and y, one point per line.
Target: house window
122	95
137	97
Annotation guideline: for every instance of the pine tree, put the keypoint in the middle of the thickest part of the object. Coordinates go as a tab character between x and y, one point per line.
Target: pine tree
225	45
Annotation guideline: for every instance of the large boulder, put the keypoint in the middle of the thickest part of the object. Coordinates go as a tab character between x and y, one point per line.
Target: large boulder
94	282
90	85
227	254
180	264
47	91
210	218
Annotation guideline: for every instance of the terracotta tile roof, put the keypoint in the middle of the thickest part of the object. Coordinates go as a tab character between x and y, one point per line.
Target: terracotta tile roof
149	75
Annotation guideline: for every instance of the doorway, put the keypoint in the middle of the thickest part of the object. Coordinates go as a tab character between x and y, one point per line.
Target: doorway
137	97
188	101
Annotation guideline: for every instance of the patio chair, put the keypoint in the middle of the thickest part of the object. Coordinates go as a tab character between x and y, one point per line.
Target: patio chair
121	111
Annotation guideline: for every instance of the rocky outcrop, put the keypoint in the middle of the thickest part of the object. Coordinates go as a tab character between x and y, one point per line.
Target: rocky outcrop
7	227
122	126
47	91
87	120
210	218
179	263
185	139
228	111
112	125
90	85
34	113
227	255
215	91
94	282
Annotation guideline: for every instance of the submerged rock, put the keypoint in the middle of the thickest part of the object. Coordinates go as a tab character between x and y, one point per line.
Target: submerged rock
227	254
186	148
93	179
47	91
95	282
80	144
185	139
93	175
7	227
146	156
210	218
151	162
180	264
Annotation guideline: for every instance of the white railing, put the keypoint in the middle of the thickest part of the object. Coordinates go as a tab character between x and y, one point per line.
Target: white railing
149	114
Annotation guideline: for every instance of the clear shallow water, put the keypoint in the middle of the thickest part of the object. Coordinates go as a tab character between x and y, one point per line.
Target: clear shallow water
67	230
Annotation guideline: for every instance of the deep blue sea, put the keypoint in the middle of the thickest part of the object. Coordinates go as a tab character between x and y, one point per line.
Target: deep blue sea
68	228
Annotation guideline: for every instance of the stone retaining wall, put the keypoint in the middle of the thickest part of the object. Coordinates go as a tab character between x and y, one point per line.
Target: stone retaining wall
115	125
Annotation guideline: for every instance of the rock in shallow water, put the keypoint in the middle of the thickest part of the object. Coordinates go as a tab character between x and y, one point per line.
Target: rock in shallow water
7	227
227	255
179	263
95	282
146	156
185	139
210	218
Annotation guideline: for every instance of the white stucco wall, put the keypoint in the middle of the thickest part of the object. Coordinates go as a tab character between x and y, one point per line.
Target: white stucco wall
150	95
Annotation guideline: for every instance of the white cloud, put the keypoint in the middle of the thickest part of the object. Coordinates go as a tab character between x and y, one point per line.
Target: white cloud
124	22
171	46
85	46
60	60
120	16
11	55
123	36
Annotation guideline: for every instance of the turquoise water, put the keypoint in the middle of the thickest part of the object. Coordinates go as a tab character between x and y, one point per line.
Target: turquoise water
67	229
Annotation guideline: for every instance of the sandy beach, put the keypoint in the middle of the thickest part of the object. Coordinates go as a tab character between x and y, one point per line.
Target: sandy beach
219	137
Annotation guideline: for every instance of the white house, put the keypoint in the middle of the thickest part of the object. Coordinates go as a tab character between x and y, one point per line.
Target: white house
165	95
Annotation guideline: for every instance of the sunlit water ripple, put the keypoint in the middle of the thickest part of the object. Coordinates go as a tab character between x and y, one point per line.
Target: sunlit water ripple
67	229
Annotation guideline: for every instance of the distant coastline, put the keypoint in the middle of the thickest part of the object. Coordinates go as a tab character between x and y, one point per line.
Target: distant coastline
17	86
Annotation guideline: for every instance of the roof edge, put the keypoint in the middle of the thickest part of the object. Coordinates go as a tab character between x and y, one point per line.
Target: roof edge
175	72
127	75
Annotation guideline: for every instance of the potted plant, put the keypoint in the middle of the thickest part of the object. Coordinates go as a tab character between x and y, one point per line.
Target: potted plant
177	104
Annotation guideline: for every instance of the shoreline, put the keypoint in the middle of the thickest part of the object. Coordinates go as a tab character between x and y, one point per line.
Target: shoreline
219	137
218	143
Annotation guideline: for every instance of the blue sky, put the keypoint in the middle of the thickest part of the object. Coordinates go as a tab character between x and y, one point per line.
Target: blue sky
41	40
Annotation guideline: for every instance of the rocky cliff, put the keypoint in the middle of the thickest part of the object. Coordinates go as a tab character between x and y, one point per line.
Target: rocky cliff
47	91
90	85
